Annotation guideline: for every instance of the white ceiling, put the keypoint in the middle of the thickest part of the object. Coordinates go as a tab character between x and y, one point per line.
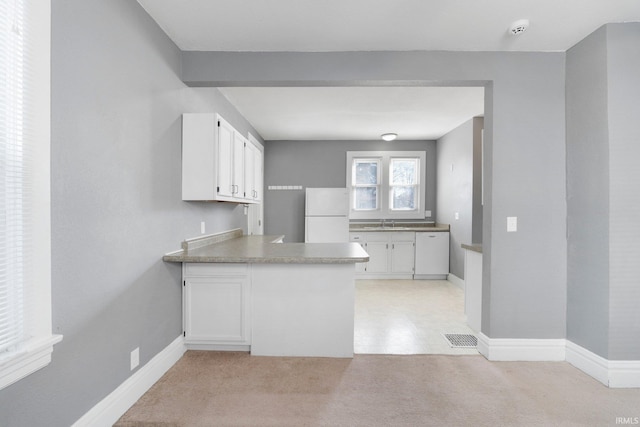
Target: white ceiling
356	113
366	25
347	25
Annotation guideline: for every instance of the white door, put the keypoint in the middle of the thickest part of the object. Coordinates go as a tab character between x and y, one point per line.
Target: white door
224	160
249	170
255	219
238	165
402	257
216	309
378	257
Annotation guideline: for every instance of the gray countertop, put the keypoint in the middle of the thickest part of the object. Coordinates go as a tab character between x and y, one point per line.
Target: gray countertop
476	247
398	226
262	249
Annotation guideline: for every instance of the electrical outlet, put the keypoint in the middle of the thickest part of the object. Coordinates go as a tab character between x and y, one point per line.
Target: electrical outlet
512	224
427	214
135	358
456	216
202	228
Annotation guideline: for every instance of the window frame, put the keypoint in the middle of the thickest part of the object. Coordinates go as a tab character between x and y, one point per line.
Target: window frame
35	351
384	210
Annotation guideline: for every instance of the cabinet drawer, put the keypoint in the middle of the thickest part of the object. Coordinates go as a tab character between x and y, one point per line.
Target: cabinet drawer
402	236
357	237
192	269
379	236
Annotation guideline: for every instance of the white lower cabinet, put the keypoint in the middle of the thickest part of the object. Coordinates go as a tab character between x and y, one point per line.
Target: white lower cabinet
402	256
391	254
216	308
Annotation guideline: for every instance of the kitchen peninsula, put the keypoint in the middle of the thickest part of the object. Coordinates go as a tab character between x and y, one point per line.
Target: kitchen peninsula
258	294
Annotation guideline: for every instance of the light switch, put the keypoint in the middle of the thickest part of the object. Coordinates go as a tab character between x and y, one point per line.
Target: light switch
512	224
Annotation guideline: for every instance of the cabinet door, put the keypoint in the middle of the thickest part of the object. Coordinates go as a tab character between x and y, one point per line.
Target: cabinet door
238	166
215	310
361	267
402	257
199	133
225	158
249	171
257	174
378	257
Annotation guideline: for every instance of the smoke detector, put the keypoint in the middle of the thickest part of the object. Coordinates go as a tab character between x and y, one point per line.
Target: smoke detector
519	27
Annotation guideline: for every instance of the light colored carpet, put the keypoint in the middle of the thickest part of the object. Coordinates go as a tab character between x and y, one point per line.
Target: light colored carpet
236	389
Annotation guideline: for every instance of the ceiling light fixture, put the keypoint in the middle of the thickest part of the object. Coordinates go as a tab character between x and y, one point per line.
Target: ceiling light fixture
389	136
519	27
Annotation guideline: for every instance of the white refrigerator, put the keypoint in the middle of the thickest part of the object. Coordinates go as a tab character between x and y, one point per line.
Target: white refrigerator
326	215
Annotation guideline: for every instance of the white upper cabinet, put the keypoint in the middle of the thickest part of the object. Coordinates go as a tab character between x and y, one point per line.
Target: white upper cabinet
218	162
224	159
237	184
253	170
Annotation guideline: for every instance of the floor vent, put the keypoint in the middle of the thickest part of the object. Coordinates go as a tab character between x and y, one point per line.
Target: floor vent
461	340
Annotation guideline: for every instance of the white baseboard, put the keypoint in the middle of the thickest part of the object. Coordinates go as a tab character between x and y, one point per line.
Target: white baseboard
456	280
217	347
111	408
612	373
521	350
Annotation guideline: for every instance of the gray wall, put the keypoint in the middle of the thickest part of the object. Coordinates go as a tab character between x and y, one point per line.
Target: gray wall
117	98
588	194
455	191
524	292
624	213
460	190
321	164
602	192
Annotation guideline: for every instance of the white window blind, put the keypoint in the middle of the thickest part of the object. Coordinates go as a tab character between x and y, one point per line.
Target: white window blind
16	149
26	341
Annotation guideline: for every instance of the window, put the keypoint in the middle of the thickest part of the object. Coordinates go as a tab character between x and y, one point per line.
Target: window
26	341
386	184
366	184
403	176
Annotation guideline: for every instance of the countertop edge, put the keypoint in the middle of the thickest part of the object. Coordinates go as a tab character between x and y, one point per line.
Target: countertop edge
475	247
244	252
270	260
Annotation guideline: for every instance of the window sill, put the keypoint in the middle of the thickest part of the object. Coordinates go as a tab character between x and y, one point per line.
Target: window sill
35	355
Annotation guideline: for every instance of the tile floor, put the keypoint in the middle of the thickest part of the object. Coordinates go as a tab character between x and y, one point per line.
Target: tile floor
408	317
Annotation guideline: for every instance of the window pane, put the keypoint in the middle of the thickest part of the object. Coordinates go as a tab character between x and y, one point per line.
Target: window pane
366	172
404	171
366	198
403	198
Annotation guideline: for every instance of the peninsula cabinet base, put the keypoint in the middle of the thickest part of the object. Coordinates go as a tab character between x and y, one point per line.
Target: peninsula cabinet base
303	310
